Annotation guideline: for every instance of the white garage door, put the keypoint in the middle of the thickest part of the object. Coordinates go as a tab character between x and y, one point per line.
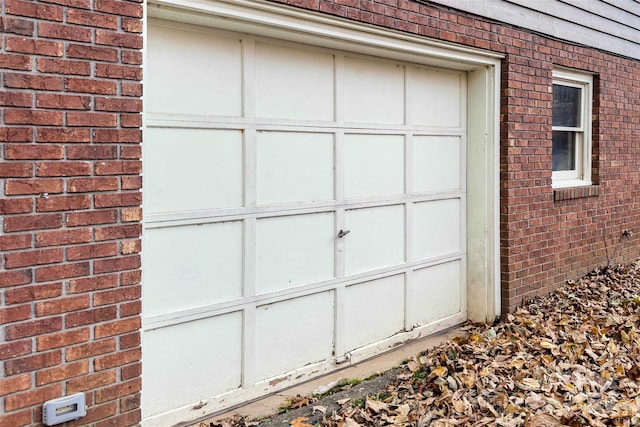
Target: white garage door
304	207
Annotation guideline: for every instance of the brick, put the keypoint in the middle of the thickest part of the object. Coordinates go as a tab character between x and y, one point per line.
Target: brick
100	250
63	372
117	136
15	134
13	206
30	258
92	119
112	71
130	89
88	317
131	214
131	57
118	167
34	46
116	328
117	359
16	170
29	81
32	222
14	187
64	32
62	66
130	402
15	313
33	328
63	237
110	38
92	152
89	185
133	308
131	262
93	283
130	247
117	295
62	203
92	53
34	10
15	241
32	397
63	102
131	25
131	182
118	390
131	120
66	169
15	62
133	277
33	152
91	218
117	200
118	232
21	418
15	278
33	293
62	305
15	349
18	26
62	339
92	382
15	99
14	384
95	413
63	135
93	86
92	19
33	117
117	7
118	105
130	340
66	271
132	418
90	349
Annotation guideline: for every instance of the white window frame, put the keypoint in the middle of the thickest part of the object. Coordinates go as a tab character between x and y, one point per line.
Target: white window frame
581	175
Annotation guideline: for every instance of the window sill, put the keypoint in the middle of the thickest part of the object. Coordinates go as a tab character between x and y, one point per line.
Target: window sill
569	193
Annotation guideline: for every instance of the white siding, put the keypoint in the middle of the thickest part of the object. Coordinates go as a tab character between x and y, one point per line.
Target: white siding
611	25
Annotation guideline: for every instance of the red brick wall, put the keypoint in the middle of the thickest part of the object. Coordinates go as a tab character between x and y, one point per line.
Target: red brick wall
70	226
545	240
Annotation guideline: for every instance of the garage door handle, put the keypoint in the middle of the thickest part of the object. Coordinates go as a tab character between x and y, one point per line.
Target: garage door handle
343	233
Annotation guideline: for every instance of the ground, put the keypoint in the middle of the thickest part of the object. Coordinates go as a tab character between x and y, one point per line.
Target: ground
571	358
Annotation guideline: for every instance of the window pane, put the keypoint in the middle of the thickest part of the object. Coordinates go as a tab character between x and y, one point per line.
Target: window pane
564	151
566	106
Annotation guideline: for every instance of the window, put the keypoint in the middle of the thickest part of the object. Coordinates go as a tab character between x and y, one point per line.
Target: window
571	129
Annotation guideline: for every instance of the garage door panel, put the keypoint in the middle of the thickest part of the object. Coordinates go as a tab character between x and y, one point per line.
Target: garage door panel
373	91
437	163
436	292
436	228
435	97
186	81
192	266
373	165
374	311
294	250
293	83
309	320
200	358
376	238
192	169
294	167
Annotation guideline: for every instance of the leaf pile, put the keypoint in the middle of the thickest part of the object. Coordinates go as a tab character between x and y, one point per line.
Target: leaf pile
571	358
